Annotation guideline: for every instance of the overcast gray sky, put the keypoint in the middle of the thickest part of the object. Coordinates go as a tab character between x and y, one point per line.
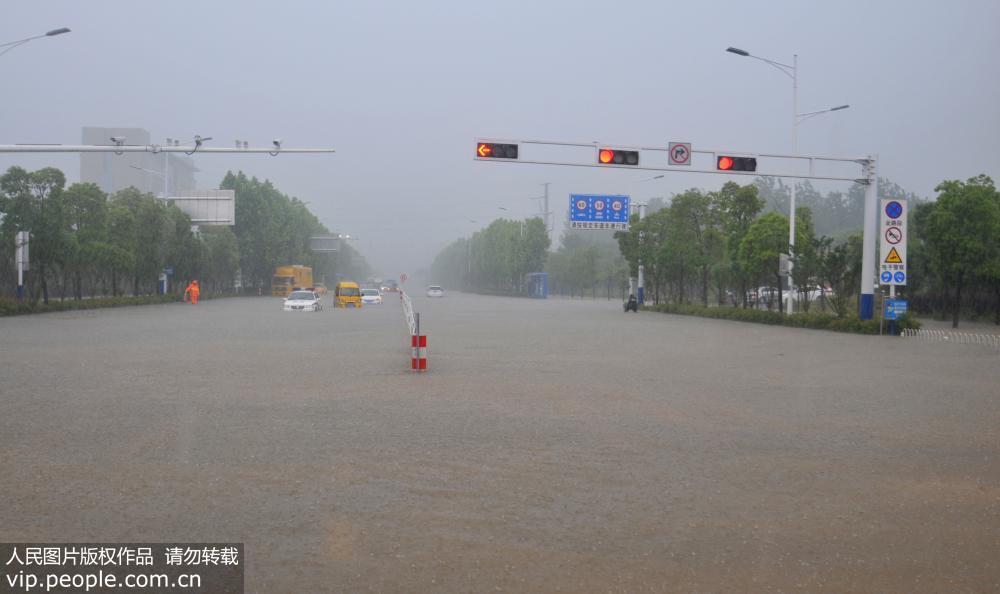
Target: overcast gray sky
402	90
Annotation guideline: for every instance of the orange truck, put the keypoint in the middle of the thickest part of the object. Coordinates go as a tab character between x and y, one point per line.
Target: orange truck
287	278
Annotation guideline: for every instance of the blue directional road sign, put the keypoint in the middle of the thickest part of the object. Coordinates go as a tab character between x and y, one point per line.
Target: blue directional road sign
886	277
894	308
598	211
899	277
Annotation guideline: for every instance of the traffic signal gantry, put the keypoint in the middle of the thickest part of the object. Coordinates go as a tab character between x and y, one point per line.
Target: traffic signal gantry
611	156
727	162
495	150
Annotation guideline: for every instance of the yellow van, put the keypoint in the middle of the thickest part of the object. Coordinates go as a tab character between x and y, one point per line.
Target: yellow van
347	294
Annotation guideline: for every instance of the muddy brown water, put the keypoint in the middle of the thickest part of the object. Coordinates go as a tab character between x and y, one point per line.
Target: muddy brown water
554	445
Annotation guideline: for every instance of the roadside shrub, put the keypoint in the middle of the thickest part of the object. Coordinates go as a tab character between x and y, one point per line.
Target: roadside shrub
13	307
813	320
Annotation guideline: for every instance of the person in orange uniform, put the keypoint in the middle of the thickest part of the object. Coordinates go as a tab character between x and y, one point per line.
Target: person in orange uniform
192	292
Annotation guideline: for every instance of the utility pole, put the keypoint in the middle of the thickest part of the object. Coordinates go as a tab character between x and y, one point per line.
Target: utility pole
866	306
546	214
642	282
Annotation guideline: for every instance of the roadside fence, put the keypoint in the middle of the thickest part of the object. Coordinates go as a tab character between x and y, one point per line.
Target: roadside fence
990	340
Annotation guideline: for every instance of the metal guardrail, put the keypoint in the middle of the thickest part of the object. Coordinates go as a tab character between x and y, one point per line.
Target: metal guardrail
991	340
411	322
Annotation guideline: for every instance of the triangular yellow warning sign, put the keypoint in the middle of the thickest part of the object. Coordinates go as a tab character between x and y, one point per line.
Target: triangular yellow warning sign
893	257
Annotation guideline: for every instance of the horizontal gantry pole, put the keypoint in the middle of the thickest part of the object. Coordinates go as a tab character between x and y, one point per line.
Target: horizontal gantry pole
148	148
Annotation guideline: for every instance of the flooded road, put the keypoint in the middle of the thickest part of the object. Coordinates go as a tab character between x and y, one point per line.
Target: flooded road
555	445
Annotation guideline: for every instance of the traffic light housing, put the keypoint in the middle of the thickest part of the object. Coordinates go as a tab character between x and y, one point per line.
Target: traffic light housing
611	156
495	150
729	163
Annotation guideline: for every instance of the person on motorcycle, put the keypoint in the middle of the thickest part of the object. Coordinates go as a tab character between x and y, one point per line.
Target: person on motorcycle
632	304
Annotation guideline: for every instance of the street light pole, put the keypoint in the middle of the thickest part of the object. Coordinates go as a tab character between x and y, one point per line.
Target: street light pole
791	71
21	239
12	44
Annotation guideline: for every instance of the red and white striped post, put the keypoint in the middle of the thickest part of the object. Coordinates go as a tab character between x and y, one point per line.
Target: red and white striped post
418	360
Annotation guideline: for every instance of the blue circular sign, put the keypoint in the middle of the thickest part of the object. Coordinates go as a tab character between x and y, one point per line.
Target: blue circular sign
886	277
900	277
893	209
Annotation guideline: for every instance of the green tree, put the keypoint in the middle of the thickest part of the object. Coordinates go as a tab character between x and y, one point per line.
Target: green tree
766	238
86	214
33	202
839	266
961	234
694	232
738	207
221	258
806	259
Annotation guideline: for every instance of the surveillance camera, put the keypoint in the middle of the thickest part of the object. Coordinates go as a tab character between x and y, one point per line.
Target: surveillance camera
118	139
277	142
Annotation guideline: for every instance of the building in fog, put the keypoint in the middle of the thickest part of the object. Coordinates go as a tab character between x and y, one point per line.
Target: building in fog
158	173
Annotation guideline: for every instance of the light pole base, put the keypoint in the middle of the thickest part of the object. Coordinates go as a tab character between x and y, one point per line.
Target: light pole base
866	307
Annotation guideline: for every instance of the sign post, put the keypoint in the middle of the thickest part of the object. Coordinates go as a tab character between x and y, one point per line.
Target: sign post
21	259
892	255
892	252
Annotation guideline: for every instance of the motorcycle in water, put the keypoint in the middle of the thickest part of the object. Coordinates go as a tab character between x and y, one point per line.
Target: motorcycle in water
632	304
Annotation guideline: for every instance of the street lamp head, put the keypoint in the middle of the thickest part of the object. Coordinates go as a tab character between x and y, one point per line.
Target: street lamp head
59	31
839	107
737	51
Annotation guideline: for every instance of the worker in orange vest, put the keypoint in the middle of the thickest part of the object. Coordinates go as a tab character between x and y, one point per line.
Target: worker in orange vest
192	291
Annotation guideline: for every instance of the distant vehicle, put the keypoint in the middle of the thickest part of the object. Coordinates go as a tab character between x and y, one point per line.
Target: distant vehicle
320	289
435	291
289	278
389	285
347	294
371	296
302	301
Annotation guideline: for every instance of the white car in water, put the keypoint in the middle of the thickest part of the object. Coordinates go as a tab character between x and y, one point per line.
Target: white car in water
371	296
435	291
302	301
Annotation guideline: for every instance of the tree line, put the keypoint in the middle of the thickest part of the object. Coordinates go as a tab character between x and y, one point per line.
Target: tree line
495	259
724	248
85	242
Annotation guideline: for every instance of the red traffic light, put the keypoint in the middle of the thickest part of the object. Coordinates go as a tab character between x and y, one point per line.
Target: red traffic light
727	163
607	156
493	150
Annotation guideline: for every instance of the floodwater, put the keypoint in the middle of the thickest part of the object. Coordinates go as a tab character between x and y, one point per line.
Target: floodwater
555	445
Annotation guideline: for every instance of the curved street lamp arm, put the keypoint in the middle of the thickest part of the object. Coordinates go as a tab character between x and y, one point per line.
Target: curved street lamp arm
785	69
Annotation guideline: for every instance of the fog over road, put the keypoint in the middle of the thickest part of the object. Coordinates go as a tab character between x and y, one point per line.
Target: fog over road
555	445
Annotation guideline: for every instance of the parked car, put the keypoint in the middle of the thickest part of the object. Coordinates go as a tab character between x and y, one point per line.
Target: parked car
372	296
435	291
302	301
